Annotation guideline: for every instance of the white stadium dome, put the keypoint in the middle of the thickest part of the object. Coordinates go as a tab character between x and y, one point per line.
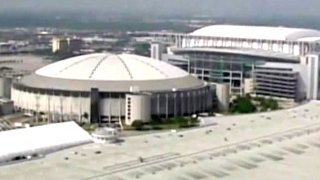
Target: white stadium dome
111	87
111	72
111	67
256	32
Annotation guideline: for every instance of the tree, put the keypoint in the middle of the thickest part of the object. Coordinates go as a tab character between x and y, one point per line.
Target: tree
138	125
85	115
142	49
269	104
242	105
273	104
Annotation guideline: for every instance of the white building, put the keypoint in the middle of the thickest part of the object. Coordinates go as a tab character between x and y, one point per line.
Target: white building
232	53
157	49
312	62
66	44
111	88
59	44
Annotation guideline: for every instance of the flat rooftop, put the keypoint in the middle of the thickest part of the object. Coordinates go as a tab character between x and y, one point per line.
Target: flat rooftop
23	62
283	144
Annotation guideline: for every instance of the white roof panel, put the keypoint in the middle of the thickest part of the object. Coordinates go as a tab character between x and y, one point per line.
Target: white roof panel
256	32
41	139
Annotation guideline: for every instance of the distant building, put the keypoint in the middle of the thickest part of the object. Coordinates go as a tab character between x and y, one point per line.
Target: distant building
279	62
64	45
74	44
176	60
59	45
157	49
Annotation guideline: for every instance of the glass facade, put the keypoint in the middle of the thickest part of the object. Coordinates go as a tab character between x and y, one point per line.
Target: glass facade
224	67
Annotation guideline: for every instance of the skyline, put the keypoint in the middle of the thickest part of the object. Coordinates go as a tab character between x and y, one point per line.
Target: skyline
217	8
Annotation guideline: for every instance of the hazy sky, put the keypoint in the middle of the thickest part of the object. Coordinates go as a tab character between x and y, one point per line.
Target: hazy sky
212	7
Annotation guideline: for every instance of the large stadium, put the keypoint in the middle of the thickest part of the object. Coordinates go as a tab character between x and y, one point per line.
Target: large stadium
109	87
279	62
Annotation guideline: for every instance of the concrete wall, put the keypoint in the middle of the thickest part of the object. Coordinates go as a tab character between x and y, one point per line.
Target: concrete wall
138	107
312	62
248	85
6	108
223	96
114	106
51	104
5	87
303	76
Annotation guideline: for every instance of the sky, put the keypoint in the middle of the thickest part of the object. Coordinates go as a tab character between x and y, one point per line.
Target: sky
163	7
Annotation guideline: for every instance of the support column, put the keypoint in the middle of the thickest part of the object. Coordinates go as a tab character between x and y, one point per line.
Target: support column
61	108
175	104
269	45
291	48
167	106
48	103
120	123
109	107
80	108
182	103
37	108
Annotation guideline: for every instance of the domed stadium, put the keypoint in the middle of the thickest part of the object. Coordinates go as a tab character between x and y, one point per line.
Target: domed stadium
105	87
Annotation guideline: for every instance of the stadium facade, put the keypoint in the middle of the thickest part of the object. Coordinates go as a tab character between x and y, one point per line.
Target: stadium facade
276	61
109	87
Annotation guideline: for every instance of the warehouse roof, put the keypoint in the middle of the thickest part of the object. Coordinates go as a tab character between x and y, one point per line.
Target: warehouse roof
40	140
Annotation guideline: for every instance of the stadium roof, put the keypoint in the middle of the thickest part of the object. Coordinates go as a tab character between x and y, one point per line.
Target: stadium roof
111	67
111	73
282	145
40	140
256	32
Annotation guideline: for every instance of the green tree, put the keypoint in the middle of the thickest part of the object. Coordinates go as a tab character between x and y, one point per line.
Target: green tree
268	104
242	105
138	125
85	115
273	104
142	49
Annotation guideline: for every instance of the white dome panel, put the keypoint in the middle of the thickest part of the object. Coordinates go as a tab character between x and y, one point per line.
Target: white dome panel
111	67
